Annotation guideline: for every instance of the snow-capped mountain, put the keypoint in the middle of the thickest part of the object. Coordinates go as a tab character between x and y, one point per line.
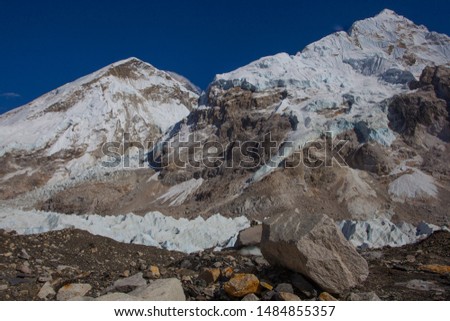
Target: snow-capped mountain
357	85
65	129
128	96
342	81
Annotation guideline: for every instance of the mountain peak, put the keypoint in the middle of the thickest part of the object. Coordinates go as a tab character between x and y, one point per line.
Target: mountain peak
132	61
387	21
387	13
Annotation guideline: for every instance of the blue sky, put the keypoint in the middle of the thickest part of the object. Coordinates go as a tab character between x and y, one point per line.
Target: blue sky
45	44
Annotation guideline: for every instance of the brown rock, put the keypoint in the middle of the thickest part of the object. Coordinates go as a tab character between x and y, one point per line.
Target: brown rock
265	286
325	296
227	272
152	273
286	296
435	268
241	284
209	275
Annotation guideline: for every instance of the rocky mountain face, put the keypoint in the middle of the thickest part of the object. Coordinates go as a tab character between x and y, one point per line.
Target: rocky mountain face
380	88
349	135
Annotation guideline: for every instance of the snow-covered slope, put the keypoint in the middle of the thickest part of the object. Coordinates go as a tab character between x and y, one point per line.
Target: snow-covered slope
129	96
342	81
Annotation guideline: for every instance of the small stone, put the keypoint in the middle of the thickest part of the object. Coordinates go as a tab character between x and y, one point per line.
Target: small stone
286	296
152	273
186	264
230	258
435	268
3	287
325	296
24	255
260	261
126	273
117	296
227	272
186	278
246	261
422	285
363	296
72	290
269	295
218	264
130	283
24	269
24	293
284	287
45	278
62	268
250	297
46	291
209	291
142	267
241	284
209	275
265	286
411	258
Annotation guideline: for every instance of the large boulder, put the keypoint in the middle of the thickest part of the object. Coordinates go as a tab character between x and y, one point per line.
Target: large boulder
313	245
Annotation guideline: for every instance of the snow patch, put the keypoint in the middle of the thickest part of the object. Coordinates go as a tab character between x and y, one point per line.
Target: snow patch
179	193
414	185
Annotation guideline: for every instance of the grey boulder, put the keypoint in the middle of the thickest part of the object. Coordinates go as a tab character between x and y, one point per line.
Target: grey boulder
312	245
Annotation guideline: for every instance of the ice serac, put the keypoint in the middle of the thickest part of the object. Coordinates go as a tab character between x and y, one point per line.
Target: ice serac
313	245
152	229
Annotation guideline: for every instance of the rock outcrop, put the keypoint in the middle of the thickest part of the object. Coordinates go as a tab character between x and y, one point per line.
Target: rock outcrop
427	106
